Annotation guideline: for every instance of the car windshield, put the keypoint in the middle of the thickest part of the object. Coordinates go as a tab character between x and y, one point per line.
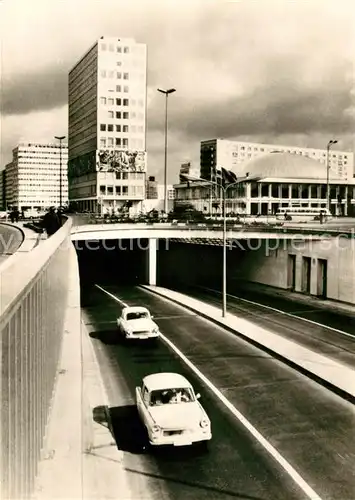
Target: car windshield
171	396
137	315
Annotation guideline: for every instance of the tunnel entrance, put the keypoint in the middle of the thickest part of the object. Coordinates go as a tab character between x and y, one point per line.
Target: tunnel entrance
119	262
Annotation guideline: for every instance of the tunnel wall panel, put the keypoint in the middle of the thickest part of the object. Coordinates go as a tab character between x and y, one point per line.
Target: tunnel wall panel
260	261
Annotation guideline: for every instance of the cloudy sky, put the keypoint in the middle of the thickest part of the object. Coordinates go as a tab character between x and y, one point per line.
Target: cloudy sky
275	71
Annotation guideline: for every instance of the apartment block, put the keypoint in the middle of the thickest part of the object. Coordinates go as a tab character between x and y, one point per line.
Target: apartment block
36	178
233	155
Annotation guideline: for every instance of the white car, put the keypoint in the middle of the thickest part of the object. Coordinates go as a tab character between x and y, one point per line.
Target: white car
137	323
170	411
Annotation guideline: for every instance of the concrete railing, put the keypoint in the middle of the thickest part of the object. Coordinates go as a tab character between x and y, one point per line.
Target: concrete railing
249	223
34	290
250	229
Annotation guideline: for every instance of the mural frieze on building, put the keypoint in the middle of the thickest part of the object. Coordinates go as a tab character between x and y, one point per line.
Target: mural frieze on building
122	160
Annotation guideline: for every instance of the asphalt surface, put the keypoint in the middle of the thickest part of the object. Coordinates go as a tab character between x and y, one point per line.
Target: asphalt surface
11	239
333	336
311	427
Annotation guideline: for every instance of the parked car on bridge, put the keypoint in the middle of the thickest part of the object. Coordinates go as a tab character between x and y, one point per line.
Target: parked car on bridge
137	323
170	411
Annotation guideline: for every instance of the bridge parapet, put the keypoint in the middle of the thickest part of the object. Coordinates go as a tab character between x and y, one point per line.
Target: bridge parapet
200	231
34	289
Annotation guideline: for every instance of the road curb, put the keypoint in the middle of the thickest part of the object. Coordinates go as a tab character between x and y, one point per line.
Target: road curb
293	364
103	467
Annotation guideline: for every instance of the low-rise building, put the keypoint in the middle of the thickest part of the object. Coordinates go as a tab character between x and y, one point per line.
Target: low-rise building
157	203
151	189
188	169
271	182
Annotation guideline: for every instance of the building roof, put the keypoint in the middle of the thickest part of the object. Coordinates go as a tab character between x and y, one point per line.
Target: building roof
135	309
287	165
158	381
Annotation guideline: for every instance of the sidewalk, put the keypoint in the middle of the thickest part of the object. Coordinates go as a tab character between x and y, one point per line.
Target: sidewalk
309	300
80	459
32	239
324	369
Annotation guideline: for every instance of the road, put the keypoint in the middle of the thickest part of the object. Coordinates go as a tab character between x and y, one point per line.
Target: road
11	239
328	332
309	426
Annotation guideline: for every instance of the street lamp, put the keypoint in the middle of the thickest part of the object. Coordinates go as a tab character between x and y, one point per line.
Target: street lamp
60	139
224	266
166	92
330	143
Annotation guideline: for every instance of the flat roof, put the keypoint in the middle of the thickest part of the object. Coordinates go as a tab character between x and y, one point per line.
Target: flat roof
135	309
158	381
281	180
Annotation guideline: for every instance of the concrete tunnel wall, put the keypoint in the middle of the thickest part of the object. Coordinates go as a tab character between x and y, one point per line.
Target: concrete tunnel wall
263	262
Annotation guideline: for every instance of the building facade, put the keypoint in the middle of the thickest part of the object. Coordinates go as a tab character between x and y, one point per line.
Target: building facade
188	169
3	189
155	201
36	178
107	126
232	155
151	189
271	182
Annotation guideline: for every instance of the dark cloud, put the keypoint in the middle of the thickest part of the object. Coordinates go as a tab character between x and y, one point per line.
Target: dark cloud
274	106
266	72
46	89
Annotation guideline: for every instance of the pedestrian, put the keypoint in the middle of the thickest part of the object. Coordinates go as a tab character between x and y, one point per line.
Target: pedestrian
60	217
321	216
51	222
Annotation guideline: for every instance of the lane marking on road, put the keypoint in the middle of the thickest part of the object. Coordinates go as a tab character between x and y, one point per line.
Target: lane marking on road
284	312
243	420
112	296
298	479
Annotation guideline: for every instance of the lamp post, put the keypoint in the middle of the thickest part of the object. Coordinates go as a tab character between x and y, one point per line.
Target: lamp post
166	92
224	265
330	143
60	139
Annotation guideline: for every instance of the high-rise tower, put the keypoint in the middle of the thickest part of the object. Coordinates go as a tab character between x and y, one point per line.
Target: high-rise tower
107	126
